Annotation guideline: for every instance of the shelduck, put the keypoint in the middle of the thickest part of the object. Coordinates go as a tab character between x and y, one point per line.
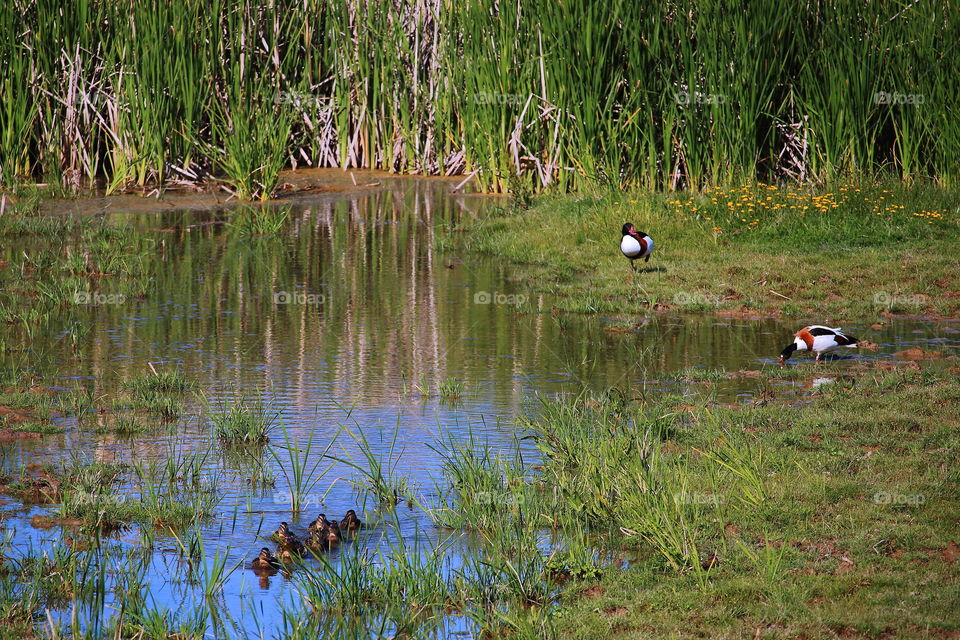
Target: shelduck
818	339
635	244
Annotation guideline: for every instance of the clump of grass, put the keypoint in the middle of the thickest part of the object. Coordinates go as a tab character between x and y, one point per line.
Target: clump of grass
165	407
482	489
451	389
302	466
699	374
43	427
160	382
173	492
122	425
244	423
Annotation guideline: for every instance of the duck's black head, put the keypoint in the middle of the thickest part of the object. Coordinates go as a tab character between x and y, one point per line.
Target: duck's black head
264	552
627	229
351	514
787	352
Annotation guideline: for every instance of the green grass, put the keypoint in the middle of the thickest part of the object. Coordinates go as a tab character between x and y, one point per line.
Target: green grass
883	248
123	426
173	492
244	423
451	389
817	519
714	93
160	382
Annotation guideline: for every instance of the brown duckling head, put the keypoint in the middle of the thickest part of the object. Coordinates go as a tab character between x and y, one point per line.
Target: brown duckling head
351	522
319	524
333	534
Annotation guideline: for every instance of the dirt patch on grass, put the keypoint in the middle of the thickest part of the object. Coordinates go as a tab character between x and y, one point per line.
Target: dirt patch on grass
48	522
916	353
11	435
594	591
15	416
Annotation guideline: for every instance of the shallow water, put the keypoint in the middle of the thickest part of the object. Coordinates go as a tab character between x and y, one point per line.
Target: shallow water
353	317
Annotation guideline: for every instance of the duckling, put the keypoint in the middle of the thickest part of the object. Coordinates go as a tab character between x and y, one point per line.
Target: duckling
265	560
351	524
290	552
281	533
287	543
319	524
333	535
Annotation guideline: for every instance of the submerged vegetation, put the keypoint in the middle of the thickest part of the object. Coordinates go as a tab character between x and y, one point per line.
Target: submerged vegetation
689	94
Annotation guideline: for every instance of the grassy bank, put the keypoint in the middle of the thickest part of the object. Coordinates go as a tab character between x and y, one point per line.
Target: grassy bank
852	251
691	520
839	519
680	94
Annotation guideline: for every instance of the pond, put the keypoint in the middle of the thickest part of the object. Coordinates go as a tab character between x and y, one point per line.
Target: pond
358	318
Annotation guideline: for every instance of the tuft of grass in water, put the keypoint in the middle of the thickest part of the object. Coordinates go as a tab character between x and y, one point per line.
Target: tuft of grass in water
122	426
699	374
173	492
480	488
33	426
244	423
161	382
451	389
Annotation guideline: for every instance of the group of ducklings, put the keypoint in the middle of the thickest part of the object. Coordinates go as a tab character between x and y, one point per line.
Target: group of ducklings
322	535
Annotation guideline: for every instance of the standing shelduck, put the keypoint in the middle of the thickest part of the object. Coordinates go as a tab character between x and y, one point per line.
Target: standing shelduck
635	244
818	339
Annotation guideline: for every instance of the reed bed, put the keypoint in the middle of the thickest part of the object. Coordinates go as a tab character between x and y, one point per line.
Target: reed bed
519	96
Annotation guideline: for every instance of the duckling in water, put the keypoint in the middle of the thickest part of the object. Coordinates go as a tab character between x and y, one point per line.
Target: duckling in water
290	553
281	533
351	524
288	544
319	524
265	560
333	535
